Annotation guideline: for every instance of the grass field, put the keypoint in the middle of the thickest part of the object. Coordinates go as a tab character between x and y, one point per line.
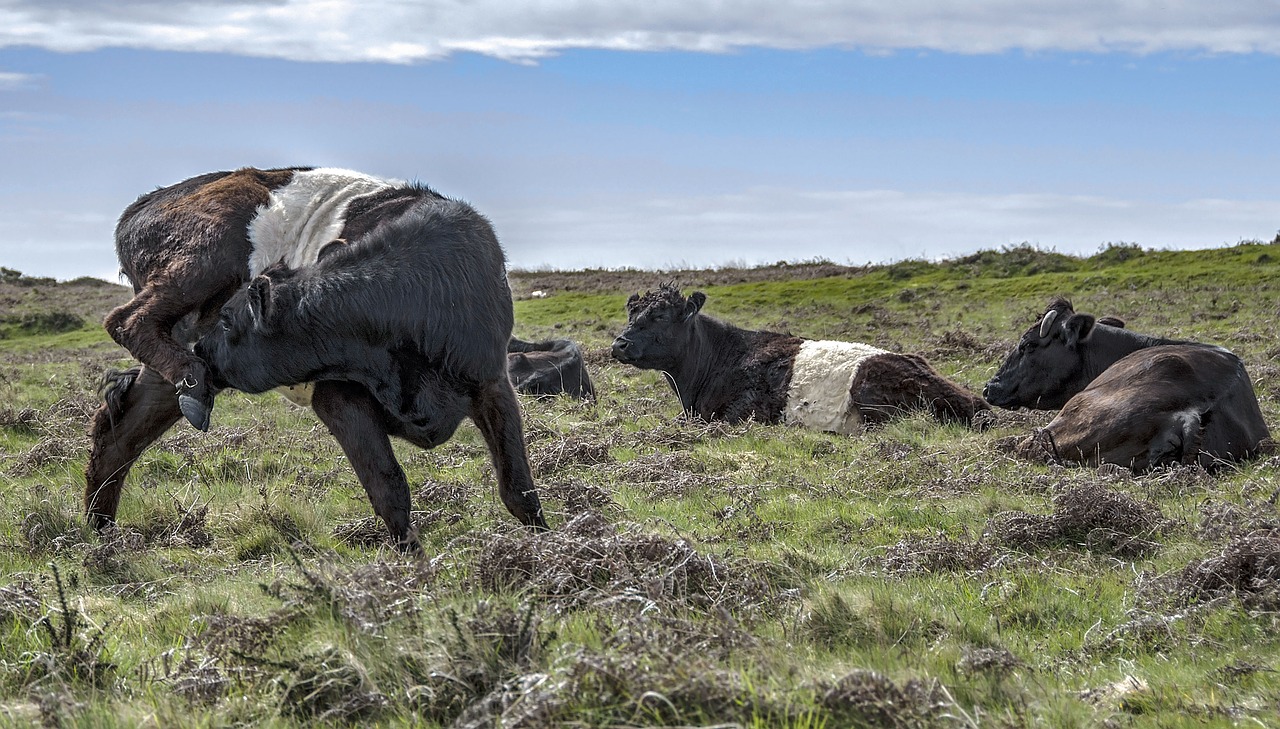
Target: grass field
698	574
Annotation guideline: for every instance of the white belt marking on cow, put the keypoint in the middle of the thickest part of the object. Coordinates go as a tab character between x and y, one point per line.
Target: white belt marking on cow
298	220
303	216
823	374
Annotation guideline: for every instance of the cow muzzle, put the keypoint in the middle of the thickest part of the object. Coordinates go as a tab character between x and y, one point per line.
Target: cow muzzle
623	350
997	394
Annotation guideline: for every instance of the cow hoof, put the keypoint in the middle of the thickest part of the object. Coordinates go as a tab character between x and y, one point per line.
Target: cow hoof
196	412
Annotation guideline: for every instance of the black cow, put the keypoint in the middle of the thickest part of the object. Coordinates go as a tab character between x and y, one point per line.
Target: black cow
545	369
403	330
722	372
1129	399
1060	355
1176	403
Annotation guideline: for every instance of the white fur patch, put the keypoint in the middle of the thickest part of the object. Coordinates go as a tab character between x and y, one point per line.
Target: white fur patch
303	216
819	397
298	220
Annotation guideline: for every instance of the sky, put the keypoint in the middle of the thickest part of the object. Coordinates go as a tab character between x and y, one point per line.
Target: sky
658	134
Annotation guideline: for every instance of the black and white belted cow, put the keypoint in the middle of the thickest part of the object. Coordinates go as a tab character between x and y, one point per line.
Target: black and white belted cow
722	372
1126	398
402	327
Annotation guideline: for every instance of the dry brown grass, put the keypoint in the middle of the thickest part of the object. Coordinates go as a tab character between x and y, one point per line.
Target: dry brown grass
590	561
1088	515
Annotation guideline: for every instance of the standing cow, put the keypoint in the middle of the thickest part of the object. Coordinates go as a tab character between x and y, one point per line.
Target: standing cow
1128	399
403	329
722	372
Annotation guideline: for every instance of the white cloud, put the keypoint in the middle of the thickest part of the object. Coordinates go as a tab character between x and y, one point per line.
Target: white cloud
10	81
526	30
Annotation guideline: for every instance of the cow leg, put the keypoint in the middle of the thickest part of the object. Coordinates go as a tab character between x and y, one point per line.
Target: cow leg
496	413
356	420
144	326
137	408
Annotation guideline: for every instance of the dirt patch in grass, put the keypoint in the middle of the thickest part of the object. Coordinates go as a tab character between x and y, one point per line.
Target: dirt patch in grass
577	496
1247	567
1220	521
591	561
629	281
938	554
588	448
666	475
20	601
1090	516
329	685
868	698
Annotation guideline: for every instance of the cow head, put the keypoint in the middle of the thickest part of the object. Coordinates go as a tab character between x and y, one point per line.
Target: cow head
253	348
659	325
1043	370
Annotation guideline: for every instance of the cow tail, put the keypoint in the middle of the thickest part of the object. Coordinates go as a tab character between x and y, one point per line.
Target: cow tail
114	387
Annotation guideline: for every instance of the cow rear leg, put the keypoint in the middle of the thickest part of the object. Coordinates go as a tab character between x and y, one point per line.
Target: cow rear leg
144	326
138	407
356	420
496	413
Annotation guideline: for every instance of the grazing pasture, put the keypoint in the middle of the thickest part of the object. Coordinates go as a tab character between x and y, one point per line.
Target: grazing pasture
697	573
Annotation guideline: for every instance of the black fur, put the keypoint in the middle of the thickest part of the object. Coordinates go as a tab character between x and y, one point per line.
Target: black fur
722	372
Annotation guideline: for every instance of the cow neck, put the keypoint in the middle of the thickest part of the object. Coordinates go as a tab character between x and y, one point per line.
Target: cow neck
1107	345
711	343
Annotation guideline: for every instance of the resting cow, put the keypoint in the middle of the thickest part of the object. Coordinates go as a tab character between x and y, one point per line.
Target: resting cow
1129	399
722	372
544	369
403	330
1060	355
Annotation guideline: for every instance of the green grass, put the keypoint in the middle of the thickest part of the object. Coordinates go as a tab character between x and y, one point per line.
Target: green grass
698	574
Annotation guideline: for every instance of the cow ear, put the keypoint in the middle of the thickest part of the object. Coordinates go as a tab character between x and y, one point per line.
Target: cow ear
1112	321
1078	329
330	248
260	300
634	298
694	304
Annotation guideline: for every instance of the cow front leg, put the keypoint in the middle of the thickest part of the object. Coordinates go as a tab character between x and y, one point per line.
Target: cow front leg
138	407
496	413
356	420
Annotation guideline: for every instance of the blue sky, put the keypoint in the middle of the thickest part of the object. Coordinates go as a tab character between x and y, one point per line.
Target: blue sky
646	135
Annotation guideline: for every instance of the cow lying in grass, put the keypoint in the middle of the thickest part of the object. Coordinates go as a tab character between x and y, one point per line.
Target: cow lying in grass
1128	399
546	369
722	372
403	329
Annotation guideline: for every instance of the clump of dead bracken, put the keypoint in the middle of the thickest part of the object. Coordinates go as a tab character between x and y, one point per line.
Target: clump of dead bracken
1088	515
590	560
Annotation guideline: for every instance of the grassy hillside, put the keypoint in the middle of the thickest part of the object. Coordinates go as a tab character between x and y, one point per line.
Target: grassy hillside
698	574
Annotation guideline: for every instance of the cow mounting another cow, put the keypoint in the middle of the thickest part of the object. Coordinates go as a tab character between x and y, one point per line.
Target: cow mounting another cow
403	329
722	372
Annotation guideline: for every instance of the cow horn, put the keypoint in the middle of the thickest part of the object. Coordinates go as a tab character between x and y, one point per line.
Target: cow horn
1047	322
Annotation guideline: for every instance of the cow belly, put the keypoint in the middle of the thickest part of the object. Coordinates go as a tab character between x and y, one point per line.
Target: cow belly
298	394
821	379
306	214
